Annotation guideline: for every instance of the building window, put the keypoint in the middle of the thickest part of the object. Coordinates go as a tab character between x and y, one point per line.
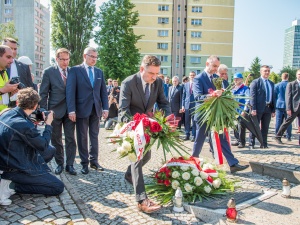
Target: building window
7	19
178	7
178	33
196	34
163	7
197	9
41	33
163	58
36	4
36	48
178	20
195	60
37	65
163	20
177	45
36	39
8	2
36	21
42	49
163	33
42	66
36	56
195	47
164	71
36	30
162	45
36	13
196	22
8	11
41	41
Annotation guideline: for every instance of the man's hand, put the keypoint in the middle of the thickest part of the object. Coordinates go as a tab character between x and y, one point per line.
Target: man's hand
72	117
289	112
253	112
243	114
273	114
48	118
218	92
182	109
105	114
10	88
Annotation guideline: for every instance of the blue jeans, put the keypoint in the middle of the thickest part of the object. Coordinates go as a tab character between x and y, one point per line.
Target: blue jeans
280	118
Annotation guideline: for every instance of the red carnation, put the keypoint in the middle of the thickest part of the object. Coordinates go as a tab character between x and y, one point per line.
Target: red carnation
146	122
147	137
167	183
155	127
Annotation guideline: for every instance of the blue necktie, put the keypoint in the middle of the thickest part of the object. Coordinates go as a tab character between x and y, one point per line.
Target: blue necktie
267	92
147	93
91	76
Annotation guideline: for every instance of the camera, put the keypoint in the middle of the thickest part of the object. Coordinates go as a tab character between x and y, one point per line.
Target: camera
37	115
16	80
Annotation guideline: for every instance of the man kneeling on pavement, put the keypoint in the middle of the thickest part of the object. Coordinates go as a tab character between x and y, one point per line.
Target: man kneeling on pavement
25	152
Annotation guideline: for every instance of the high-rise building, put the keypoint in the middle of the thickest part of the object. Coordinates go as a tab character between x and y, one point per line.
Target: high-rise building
183	33
32	22
291	55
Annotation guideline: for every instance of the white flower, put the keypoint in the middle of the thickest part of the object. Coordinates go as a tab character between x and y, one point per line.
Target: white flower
118	126
184	168
207	189
188	187
186	175
131	134
175	174
132	157
217	183
121	150
175	184
195	172
207	166
203	175
198	181
126	145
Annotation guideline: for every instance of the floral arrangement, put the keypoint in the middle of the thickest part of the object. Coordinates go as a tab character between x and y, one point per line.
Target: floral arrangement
196	182
136	137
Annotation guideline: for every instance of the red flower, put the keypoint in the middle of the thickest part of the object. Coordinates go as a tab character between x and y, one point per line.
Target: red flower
155	126
160	181
147	137
146	122
170	117
167	183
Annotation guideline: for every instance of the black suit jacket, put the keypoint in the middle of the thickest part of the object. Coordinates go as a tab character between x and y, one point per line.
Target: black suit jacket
175	98
292	96
24	74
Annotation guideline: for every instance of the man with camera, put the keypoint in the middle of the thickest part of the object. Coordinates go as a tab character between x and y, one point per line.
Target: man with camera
25	152
53	97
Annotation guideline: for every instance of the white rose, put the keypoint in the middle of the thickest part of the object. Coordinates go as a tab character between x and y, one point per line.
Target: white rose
132	157
188	187
195	172
207	189
131	134
184	168
118	126
207	166
175	174
126	145
175	184
217	183
186	175
121	150
203	175
220	131
198	181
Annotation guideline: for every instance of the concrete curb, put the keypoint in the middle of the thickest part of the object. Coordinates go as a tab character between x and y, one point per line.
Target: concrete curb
277	172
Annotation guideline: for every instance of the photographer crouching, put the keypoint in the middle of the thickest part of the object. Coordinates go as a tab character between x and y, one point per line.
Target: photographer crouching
24	151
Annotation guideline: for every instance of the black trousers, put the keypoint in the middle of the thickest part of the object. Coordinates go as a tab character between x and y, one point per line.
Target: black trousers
287	122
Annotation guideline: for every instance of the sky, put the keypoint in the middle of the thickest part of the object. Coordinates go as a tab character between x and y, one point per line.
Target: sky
259	28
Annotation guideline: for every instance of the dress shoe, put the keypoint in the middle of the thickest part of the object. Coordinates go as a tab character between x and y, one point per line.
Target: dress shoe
96	167
234	143
147	206
278	140
289	139
85	169
251	147
241	145
186	138
59	169
264	146
193	139
237	167
128	178
71	170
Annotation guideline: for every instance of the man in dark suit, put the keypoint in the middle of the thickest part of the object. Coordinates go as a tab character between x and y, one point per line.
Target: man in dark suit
262	101
292	100
175	98
87	101
201	86
188	104
17	69
280	105
53	97
138	94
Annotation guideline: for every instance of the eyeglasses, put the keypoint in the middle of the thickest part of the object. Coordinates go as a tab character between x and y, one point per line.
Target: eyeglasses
93	57
63	59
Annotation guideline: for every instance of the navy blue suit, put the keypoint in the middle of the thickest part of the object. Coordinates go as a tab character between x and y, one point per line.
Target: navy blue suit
87	102
263	108
280	111
201	85
175	99
188	102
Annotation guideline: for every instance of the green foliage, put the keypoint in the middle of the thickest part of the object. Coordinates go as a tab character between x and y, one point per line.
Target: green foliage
255	67
274	77
72	25
291	71
8	30
119	57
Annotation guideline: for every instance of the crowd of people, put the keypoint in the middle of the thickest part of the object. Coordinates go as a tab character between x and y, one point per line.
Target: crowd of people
78	97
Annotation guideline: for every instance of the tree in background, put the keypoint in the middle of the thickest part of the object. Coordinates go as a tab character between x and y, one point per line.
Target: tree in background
8	30
119	57
255	67
72	25
291	71
274	77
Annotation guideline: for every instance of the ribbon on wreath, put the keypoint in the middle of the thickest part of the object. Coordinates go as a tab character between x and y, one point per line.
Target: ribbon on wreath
139	140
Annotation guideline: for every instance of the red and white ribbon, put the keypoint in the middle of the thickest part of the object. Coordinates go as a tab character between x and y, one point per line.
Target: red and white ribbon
139	140
217	148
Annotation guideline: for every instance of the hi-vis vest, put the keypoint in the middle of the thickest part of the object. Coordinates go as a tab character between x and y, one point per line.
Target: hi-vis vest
3	81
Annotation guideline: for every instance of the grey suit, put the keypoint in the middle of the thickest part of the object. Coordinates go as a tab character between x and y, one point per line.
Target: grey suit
292	99
53	97
132	101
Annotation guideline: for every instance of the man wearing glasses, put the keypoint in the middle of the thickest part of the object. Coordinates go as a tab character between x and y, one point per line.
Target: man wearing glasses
53	97
87	101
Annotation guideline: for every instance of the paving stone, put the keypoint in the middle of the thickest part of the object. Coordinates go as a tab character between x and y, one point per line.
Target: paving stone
28	219
57	209
61	214
61	221
43	213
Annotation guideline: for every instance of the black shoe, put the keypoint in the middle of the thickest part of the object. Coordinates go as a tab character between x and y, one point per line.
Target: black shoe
278	140
251	147
128	178
234	143
186	138
264	146
96	167
71	170
237	167
59	169
193	139
241	145
85	169
289	139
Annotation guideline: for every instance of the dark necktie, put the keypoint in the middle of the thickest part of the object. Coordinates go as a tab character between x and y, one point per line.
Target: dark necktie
147	93
64	77
211	79
267	92
91	76
191	88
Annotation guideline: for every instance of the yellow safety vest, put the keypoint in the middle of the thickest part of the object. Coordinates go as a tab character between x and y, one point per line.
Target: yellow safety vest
2	83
